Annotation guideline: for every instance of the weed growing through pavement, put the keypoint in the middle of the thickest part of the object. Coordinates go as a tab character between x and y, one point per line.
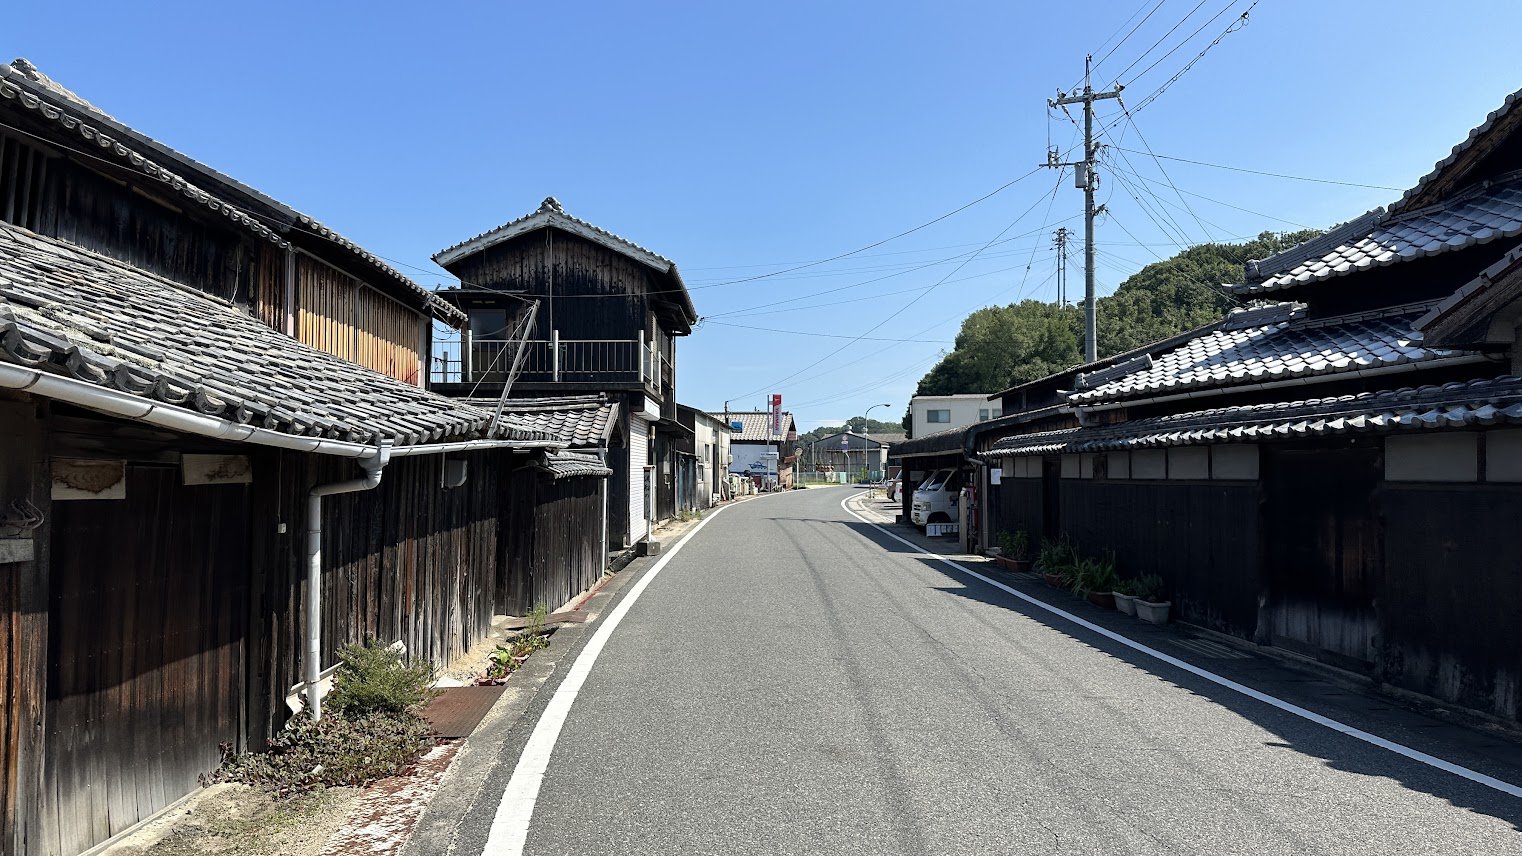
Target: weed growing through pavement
511	654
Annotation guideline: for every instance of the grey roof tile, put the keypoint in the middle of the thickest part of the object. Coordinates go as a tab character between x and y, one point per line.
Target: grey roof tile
580	421
758	425
74	312
1482	215
1293	348
565	465
1472	404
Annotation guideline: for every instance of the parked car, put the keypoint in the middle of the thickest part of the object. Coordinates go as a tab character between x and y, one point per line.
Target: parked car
935	500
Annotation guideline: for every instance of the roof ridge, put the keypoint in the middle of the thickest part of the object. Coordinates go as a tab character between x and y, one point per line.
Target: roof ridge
112	142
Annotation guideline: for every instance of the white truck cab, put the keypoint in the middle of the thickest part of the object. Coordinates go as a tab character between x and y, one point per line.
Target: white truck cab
935	500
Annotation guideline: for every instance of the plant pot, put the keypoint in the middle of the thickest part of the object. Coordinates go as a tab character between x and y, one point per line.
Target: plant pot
1124	602
1052	580
1102	599
1021	565
1157	613
1006	564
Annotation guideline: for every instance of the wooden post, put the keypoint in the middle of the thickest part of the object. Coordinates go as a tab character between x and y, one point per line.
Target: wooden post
466	370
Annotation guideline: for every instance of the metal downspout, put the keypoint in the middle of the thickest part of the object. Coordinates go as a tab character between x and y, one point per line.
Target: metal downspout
602	458
373	467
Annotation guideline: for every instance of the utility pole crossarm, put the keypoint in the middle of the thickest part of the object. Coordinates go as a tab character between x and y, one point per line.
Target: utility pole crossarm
1085	178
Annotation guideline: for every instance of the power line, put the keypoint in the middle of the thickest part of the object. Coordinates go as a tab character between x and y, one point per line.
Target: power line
1219	202
1160	169
878	296
1000	189
901	309
1164	38
1234	26
1128	35
1263	172
1185	41
826	335
935	263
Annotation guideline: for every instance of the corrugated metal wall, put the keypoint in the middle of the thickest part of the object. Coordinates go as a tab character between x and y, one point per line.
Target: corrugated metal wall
639	453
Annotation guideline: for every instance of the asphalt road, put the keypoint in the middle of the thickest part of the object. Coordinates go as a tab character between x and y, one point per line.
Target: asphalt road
795	682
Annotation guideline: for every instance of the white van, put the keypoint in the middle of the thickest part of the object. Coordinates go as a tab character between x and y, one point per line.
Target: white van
935	500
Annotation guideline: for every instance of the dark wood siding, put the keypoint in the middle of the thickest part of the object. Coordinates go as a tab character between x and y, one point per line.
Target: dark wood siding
1201	538
406	561
23	632
598	294
1452	592
145	650
50	192
552	540
1019	509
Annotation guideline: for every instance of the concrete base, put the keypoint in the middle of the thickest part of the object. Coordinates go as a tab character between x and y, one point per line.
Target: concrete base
649	547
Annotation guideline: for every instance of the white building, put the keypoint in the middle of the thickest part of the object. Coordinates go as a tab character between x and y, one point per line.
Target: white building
931	413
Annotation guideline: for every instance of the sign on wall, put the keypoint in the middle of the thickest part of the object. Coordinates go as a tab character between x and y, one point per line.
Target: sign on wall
753	459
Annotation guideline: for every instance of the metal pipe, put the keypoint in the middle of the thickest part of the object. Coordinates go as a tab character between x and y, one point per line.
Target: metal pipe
128	406
602	458
373	467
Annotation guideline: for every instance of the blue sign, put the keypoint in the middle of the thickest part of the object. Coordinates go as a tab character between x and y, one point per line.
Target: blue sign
737	426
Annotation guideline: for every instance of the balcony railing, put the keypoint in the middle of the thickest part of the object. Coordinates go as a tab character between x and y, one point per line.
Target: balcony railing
581	361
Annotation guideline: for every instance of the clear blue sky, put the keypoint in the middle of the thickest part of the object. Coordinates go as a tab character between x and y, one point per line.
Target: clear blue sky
739	139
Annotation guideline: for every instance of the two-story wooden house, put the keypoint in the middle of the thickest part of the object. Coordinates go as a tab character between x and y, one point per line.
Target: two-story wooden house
609	313
218	465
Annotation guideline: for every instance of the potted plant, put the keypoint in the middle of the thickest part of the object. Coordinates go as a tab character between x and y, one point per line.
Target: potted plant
1150	605
1056	562
1014	550
1125	600
1095	579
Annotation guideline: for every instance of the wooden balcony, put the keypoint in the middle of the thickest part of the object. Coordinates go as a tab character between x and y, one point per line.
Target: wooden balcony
481	366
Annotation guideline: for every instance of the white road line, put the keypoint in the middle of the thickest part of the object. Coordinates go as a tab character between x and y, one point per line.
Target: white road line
1356	733
509	828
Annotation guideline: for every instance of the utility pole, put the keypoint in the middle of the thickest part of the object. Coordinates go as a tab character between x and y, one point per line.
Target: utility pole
1086	178
1060	241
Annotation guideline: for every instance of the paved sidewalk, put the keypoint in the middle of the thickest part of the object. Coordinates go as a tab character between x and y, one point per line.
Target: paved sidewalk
1452	735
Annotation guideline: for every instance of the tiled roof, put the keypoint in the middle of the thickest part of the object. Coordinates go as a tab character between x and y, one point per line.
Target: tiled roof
550	213
1475	304
580	421
565	465
758	425
940	442
1289	349
94	318
1474	404
1484	214
21	82
876	438
1496	117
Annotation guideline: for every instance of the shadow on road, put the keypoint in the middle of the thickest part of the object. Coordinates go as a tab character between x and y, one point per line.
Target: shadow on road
1336	750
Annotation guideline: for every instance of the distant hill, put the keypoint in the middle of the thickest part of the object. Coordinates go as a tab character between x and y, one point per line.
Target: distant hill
1001	346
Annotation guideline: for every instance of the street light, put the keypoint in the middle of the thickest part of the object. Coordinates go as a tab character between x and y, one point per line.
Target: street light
867	433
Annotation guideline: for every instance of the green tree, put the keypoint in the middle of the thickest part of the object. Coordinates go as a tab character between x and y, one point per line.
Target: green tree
1002	346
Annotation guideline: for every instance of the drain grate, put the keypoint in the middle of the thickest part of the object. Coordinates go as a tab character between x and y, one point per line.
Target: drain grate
1213	650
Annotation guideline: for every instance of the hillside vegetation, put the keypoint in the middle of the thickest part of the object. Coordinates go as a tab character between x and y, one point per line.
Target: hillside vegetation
1001	346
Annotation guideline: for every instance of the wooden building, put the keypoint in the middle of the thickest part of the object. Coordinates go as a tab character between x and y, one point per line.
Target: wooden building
1334	469
187	369
610	312
563	550
705	458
